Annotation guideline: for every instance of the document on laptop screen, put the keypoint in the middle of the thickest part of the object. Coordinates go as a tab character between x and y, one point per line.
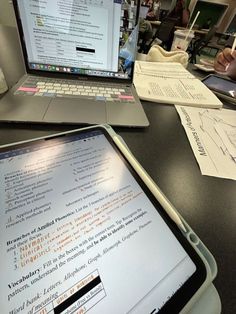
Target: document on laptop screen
76	228
72	33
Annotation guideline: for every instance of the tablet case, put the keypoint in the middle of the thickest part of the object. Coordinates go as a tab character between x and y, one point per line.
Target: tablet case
206	299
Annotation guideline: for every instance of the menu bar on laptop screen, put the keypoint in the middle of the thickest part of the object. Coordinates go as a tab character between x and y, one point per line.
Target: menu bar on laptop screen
96	37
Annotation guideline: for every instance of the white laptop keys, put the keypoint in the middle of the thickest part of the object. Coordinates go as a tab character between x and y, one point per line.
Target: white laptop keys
79	58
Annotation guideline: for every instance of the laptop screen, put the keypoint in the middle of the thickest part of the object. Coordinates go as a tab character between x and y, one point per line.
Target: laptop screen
94	38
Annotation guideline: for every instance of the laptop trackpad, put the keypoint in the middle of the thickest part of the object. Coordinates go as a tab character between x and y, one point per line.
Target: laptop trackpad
68	110
23	108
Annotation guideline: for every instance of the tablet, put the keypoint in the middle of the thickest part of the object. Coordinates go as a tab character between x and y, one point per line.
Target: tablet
81	232
222	87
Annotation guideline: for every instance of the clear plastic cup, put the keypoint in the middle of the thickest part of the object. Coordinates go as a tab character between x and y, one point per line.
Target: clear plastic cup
179	42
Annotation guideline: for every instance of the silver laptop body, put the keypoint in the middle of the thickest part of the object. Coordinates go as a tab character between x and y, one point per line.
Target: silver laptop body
79	58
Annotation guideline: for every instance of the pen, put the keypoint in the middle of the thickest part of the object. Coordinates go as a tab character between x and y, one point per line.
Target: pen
153	188
232	50
234	45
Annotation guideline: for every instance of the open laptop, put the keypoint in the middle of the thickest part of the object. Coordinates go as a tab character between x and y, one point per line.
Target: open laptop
79	57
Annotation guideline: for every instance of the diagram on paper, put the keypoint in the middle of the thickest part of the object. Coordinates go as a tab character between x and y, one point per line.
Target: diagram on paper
212	135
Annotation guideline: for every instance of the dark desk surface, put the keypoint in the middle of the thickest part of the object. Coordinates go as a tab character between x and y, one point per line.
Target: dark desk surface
207	203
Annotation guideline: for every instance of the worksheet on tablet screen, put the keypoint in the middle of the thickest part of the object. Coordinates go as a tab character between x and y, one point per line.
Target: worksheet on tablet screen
79	234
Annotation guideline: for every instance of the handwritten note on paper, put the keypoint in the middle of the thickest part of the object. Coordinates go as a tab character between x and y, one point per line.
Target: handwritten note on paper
212	135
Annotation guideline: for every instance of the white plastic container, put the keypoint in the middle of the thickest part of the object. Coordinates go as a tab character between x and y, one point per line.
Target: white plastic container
179	42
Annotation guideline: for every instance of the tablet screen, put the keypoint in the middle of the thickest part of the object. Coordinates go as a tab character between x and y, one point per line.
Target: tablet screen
221	85
80	233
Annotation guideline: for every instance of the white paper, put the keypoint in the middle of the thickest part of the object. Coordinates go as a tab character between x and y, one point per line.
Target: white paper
212	135
171	83
228	136
162	69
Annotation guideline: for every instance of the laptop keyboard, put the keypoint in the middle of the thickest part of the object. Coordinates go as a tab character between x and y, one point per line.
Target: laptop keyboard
48	87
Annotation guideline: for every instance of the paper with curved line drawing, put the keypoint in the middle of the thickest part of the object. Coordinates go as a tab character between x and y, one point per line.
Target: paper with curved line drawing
212	136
